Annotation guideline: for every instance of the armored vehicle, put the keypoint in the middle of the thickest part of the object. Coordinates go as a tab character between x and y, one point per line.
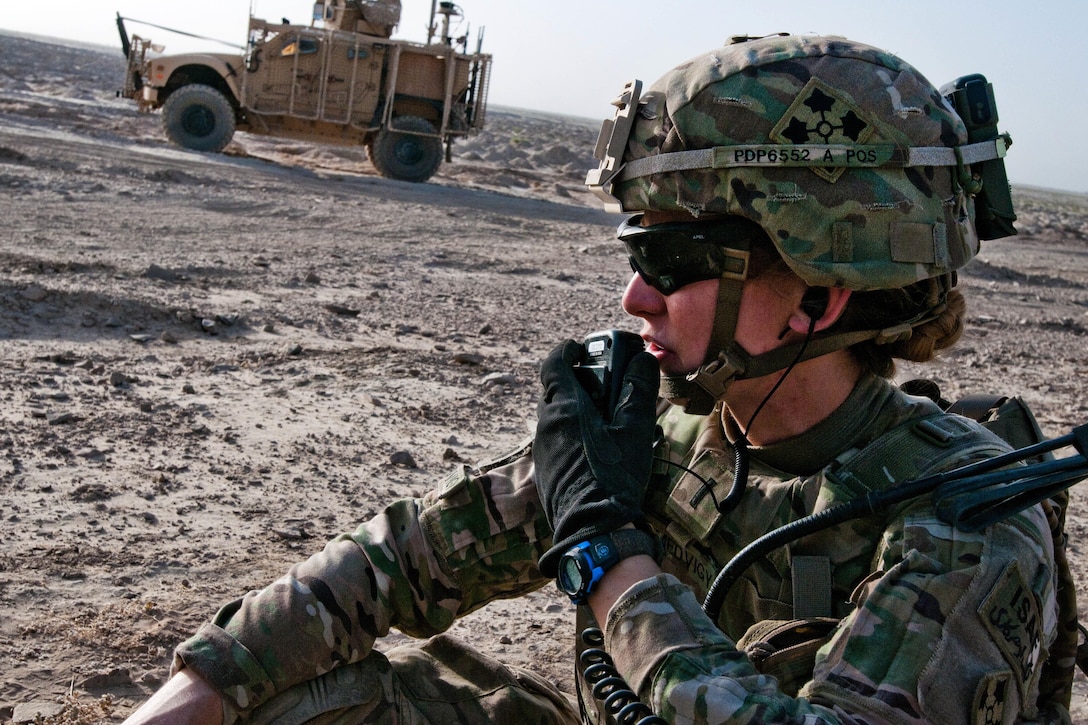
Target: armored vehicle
343	79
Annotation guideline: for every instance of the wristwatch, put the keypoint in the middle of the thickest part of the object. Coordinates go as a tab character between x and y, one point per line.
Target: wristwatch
583	565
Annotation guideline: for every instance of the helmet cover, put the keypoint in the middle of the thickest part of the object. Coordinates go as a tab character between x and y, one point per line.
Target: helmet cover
844	154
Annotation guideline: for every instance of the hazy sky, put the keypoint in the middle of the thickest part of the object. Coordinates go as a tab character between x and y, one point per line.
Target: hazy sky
573	56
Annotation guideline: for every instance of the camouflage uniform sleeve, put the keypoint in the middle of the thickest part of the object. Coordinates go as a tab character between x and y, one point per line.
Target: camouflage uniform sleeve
417	566
686	669
952	627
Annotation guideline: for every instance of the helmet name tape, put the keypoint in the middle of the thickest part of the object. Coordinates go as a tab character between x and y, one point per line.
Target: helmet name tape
814	155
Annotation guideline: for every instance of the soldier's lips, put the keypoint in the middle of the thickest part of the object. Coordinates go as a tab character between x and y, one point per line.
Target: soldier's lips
668	360
664	355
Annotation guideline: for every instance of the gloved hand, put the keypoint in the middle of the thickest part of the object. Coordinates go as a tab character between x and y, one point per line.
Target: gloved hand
591	475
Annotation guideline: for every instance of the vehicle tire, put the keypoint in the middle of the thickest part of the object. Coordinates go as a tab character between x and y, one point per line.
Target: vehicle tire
406	156
198	117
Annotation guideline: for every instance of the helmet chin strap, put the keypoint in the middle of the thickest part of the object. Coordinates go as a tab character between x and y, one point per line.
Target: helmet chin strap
700	391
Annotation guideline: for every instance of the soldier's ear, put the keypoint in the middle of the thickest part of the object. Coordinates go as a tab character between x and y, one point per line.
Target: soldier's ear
818	309
814	302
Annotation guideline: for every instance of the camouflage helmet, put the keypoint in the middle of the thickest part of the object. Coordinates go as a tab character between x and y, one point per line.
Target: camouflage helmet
858	170
850	160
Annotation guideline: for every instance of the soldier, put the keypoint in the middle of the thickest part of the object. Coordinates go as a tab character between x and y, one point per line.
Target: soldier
802	206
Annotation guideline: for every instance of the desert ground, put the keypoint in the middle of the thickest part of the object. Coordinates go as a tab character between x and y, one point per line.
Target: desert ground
210	364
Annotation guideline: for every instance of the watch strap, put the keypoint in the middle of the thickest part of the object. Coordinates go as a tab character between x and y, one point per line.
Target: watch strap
593	558
631	542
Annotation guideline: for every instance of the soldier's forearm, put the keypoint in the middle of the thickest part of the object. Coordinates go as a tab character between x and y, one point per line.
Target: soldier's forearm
618	580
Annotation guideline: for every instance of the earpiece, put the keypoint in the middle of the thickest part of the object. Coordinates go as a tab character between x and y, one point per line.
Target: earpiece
814	302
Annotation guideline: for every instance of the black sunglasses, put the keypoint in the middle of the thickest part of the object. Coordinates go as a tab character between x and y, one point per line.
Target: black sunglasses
670	255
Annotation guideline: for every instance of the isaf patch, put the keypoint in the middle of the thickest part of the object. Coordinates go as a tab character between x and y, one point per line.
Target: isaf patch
819	115
1011	613
990	696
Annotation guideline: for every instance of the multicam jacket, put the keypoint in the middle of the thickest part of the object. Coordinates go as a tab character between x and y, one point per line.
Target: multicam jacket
936	625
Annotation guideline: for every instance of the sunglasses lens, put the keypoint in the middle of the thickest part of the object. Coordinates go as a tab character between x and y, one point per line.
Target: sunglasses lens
666	284
664	275
671	255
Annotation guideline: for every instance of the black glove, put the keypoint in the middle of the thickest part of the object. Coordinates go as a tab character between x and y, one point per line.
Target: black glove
591	475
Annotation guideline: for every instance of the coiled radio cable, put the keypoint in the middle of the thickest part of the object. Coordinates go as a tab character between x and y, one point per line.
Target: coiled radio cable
621	704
